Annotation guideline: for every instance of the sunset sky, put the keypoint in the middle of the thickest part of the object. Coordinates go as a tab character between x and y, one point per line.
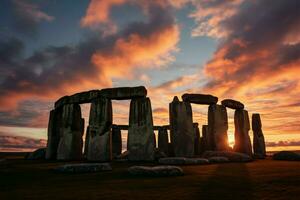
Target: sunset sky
248	50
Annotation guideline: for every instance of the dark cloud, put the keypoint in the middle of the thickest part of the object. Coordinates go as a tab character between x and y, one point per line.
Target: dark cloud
283	143
27	16
11	143
56	71
266	40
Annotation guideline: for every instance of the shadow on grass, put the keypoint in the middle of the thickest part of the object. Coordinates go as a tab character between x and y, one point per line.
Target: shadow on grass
229	181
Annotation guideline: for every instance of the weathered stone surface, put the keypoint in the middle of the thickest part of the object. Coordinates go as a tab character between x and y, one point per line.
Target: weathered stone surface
205	137
84	168
287	155
242	140
163	140
205	99
218	159
232	156
259	146
182	161
140	134
78	98
197	142
99	147
217	128
230	103
123	93
116	141
54	129
181	128
70	144
120	93
156	171
159	154
123	156
38	154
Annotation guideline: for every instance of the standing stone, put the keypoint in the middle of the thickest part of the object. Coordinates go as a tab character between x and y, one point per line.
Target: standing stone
217	128
205	138
259	146
116	141
99	147
86	142
163	140
181	128
242	142
197	142
54	127
140	133
70	144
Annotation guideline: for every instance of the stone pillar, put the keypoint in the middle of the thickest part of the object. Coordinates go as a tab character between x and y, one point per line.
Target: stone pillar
181	128
242	141
259	146
116	141
54	127
197	142
217	128
70	144
140	133
205	138
163	140
99	147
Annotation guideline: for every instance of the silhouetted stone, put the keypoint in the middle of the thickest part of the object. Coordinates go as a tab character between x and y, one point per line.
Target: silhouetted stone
287	155
163	140
140	133
232	156
217	128
242	140
116	141
170	150
78	98
123	93
123	156
183	161
84	168
156	171
230	103
100	122
181	128
54	129
205	136
218	159
197	142
205	99
38	154
259	146
159	154
120	93
70	144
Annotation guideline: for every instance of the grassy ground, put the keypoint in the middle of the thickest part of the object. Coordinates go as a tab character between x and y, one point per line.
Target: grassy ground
262	179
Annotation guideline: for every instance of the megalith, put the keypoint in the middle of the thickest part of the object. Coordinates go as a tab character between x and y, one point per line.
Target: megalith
54	128
70	143
197	141
205	135
242	142
163	140
99	147
140	142
259	146
181	128
217	128
116	141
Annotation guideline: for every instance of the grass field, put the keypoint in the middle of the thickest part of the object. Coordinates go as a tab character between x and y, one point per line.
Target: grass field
261	179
